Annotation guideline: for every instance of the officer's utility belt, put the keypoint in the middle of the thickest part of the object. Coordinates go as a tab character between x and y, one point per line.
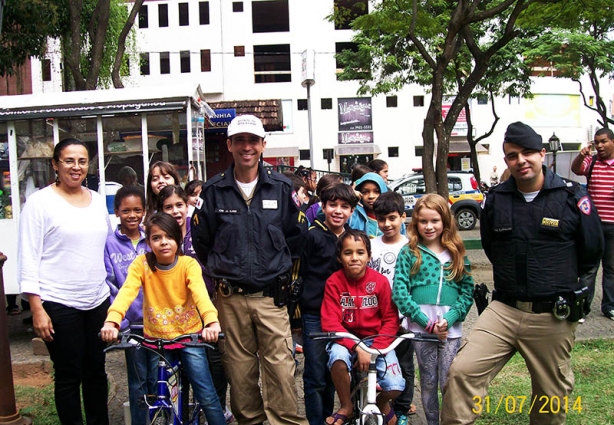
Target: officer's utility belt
279	290
571	306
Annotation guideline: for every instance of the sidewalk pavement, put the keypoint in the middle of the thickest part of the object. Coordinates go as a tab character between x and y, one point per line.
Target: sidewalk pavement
20	337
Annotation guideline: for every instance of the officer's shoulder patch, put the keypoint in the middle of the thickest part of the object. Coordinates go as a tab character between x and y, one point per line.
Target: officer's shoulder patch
295	198
584	205
199	202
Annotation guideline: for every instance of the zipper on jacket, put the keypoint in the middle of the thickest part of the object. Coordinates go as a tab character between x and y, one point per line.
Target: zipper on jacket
440	283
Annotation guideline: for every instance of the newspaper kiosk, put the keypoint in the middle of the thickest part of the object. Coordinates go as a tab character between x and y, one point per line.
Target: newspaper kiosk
122	128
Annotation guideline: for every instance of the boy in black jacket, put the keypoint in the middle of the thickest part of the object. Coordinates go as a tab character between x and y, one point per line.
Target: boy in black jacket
318	262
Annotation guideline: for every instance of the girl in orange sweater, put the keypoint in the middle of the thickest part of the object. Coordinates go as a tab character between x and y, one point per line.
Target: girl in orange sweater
175	301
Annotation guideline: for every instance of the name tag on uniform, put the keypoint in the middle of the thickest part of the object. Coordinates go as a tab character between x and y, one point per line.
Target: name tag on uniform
550	222
226	211
269	204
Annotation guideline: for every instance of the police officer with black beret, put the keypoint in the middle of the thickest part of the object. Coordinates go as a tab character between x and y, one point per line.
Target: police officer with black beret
541	233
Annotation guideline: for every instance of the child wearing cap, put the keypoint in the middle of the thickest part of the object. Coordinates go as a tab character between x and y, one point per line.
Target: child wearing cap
370	186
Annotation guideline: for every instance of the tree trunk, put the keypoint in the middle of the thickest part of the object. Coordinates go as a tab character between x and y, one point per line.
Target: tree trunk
121	45
97	43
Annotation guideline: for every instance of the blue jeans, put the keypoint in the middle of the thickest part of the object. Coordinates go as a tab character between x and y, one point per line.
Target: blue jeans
78	361
195	364
389	375
141	365
317	382
607	302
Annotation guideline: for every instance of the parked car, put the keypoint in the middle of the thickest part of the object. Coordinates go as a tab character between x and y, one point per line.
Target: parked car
465	196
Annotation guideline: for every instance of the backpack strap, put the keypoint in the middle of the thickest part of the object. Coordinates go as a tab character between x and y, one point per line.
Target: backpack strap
590	170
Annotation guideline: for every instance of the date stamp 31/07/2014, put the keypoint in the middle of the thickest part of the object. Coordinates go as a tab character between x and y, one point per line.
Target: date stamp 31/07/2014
523	404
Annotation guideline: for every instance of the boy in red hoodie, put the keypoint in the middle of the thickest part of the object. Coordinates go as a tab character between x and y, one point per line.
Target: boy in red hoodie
357	299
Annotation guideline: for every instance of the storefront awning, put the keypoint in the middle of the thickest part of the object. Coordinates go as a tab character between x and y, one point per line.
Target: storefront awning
291	151
357	149
463	147
268	110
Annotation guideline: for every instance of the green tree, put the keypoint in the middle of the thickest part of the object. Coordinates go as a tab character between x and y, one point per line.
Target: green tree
26	24
580	43
507	75
405	41
94	37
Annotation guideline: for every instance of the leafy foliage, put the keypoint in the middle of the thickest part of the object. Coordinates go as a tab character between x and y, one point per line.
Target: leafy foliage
452	48
584	45
25	28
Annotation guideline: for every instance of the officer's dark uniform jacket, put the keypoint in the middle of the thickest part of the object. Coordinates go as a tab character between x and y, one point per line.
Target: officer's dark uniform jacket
318	262
248	245
539	249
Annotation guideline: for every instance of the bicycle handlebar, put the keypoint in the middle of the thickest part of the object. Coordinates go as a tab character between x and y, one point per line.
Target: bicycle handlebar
129	340
415	336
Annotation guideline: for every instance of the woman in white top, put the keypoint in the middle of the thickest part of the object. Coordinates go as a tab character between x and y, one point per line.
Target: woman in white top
62	234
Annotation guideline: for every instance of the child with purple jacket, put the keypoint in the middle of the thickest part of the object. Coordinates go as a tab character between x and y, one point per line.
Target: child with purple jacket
122	247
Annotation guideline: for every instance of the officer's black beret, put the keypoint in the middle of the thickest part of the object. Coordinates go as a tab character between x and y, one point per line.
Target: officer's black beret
523	136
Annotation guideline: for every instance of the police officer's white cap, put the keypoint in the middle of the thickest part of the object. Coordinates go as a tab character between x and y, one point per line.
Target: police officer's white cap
246	124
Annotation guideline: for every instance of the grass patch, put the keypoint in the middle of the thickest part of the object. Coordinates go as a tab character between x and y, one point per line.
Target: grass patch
590	402
39	402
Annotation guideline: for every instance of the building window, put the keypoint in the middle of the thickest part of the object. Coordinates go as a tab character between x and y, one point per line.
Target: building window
163	15
270	16
328	154
165	63
184	57
143	18
302	105
393	152
418	150
304	154
46	68
203	12
391	102
482	99
272	63
239	51
326	103
237	6
144	64
347	11
205	60
339	48
418	100
184	15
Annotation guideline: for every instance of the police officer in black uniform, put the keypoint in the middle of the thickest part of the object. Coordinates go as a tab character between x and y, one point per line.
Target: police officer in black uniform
246	228
541	234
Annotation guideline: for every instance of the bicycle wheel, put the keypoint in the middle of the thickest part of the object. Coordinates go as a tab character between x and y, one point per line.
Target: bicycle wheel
369	419
161	417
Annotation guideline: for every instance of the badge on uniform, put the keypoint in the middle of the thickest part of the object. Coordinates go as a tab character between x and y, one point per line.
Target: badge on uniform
199	202
269	204
584	205
550	222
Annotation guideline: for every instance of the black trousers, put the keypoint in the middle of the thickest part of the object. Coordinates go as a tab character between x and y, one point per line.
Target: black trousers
79	363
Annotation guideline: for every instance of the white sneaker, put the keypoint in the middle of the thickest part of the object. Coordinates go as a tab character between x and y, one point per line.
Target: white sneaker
610	315
228	415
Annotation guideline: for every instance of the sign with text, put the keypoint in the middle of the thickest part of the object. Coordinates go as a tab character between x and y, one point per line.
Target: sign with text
355	137
355	114
460	127
221	119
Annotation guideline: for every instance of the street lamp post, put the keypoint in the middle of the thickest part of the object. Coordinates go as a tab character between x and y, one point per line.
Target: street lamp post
555	146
